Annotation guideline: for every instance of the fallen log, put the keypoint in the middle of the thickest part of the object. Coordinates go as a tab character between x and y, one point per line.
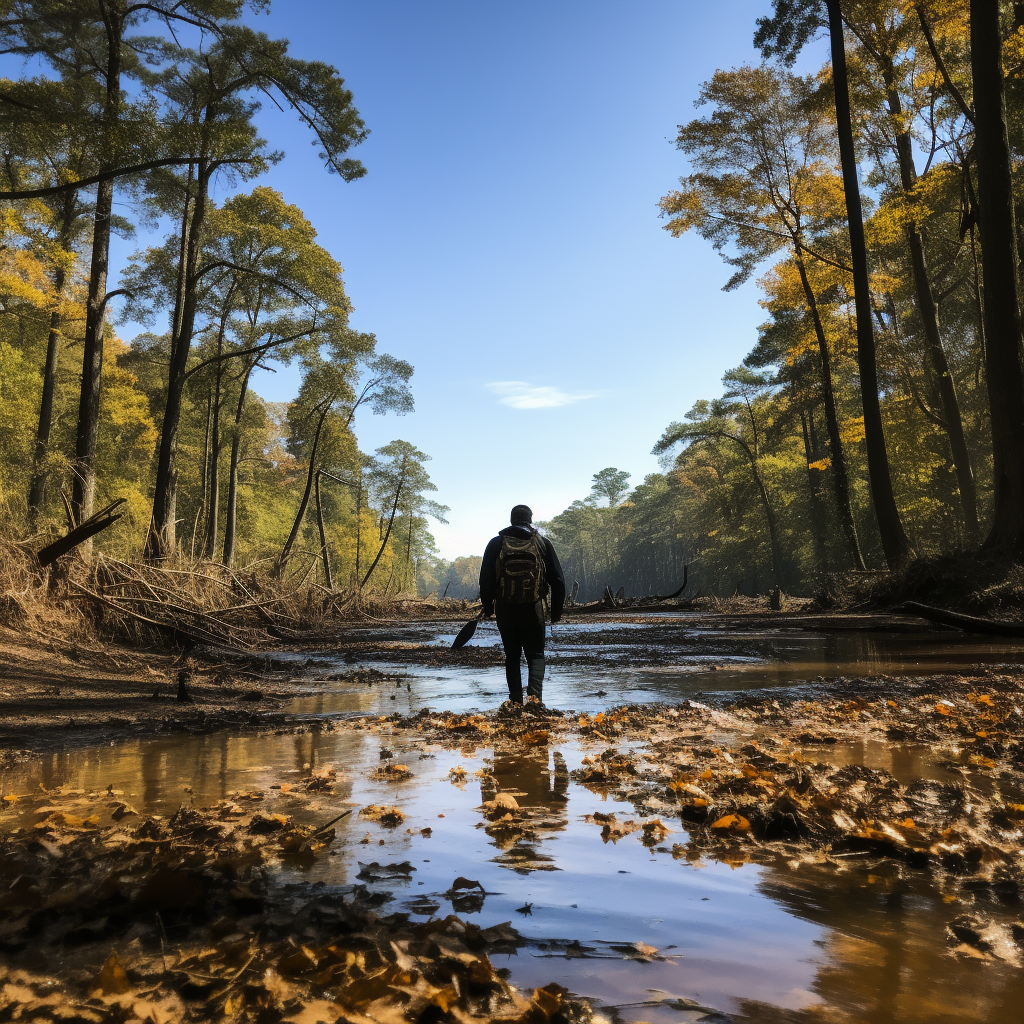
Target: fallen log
608	601
968	623
93	525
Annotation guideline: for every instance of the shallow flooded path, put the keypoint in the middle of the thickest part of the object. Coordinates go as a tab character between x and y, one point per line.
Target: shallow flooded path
633	922
602	661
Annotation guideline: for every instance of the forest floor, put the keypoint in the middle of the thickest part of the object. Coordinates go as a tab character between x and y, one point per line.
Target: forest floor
114	910
57	692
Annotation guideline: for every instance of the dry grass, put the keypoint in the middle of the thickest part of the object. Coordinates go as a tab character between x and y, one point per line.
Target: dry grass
179	603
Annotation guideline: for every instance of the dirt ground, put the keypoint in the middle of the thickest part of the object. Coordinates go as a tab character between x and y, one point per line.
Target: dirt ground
55	694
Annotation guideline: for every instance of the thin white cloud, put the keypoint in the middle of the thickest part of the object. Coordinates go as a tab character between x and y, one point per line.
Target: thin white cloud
520	395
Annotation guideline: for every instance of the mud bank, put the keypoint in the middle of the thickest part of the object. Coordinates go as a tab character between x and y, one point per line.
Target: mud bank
57	695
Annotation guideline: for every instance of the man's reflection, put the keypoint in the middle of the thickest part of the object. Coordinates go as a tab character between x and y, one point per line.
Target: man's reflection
524	800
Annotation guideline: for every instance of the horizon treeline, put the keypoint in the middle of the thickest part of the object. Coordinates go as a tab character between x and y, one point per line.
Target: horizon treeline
126	115
879	416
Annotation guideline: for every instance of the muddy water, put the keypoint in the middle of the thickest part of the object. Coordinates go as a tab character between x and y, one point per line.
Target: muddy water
867	942
597	664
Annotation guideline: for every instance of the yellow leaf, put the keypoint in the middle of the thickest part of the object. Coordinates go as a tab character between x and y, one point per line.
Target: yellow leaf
733	821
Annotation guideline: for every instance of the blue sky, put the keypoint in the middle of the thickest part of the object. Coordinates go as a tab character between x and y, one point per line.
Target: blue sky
506	238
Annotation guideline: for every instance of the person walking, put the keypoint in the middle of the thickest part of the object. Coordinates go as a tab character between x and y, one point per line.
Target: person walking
519	570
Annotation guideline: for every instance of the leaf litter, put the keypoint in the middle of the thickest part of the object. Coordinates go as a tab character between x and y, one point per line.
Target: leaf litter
176	918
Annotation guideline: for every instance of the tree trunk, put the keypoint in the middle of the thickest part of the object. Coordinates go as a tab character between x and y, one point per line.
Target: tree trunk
213	495
391	522
997	225
83	490
817	505
204	504
359	522
840	478
894	538
408	553
936	354
328	580
161	540
213	488
769	513
37	488
231	511
304	504
236	443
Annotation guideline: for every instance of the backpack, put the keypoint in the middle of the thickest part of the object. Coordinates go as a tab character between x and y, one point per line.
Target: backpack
520	569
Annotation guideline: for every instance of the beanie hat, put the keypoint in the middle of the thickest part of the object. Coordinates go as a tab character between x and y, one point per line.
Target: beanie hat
522	515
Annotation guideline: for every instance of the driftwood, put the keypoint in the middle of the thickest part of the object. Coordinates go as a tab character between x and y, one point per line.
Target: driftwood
78	534
968	623
610	601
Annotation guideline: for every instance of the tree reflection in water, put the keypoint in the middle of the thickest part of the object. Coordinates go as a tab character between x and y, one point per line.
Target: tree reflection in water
537	782
885	955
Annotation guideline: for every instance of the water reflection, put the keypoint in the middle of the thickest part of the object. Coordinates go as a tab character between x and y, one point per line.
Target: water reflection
885	957
595	664
537	783
865	945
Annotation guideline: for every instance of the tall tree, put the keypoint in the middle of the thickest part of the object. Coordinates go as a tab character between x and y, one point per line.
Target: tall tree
1000	262
764	182
716	421
890	40
398	474
240	64
99	49
610	485
330	388
794	22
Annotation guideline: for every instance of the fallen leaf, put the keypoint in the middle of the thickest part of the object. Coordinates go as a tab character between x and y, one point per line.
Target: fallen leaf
732	821
112	979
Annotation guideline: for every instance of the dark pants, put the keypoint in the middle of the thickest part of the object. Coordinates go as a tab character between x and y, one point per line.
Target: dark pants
522	632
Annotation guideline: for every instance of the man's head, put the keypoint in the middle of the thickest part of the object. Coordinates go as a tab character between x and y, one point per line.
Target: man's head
522	515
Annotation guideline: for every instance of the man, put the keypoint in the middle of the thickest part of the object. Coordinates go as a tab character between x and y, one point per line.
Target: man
520	568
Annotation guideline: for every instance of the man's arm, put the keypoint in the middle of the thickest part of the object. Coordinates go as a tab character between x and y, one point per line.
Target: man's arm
488	578
555	580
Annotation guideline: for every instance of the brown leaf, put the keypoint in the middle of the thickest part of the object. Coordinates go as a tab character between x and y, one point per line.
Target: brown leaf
112	979
389	817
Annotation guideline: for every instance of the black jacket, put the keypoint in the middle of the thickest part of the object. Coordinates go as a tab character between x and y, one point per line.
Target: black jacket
552	571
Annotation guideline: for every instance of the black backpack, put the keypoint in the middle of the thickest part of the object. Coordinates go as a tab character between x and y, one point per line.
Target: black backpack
520	569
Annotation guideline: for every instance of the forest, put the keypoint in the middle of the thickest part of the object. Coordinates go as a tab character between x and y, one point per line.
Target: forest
768	764
877	419
871	423
132	115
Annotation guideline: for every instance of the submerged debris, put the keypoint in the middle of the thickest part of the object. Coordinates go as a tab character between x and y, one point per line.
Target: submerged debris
180	918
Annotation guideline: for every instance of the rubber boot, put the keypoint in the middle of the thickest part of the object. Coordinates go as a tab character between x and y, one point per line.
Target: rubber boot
514	678
535	680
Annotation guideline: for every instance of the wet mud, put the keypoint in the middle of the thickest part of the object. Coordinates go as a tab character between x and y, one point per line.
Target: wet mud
831	848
